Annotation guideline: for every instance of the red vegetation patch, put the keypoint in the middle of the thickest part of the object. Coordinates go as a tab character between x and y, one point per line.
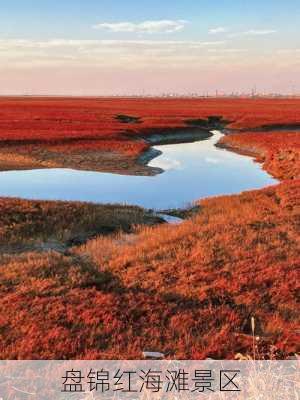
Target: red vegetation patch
188	291
62	119
280	151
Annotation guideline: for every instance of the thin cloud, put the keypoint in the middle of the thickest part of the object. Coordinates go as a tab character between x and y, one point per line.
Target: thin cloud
128	53
219	29
148	27
254	32
167	164
288	51
86	43
233	51
260	32
212	160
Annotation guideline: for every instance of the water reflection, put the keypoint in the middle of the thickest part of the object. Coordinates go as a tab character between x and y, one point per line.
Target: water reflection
192	171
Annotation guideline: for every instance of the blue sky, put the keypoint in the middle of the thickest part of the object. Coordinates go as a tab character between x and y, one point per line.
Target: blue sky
255	41
74	18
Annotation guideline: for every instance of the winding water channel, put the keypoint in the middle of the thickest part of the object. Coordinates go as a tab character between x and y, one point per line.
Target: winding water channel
191	171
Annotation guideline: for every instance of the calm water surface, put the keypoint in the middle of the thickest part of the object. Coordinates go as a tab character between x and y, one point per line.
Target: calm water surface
192	171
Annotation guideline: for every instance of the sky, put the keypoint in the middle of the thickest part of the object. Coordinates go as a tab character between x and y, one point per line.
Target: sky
104	47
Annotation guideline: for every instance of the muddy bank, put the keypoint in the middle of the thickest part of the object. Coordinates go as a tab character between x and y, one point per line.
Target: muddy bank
176	136
37	157
274	128
57	225
86	153
245	150
144	159
24	157
18	155
43	226
279	152
168	136
213	122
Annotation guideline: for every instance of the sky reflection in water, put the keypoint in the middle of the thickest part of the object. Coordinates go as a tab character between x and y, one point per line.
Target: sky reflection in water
192	171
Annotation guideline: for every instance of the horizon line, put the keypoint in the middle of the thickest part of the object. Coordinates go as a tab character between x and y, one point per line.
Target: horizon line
164	95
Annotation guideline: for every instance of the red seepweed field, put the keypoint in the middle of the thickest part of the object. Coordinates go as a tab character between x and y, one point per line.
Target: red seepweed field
188	291
58	119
